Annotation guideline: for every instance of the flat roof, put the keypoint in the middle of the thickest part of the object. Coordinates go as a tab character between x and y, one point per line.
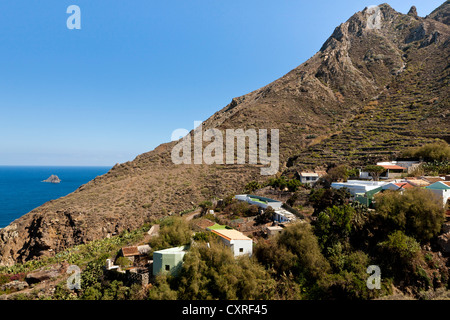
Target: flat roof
173	250
309	174
231	234
361	183
418	182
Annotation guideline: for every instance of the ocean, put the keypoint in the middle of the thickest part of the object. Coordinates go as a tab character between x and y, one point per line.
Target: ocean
22	189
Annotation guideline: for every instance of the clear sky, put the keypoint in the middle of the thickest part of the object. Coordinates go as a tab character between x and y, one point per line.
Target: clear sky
139	69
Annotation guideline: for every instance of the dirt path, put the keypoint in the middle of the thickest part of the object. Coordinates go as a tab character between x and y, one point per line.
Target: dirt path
191	215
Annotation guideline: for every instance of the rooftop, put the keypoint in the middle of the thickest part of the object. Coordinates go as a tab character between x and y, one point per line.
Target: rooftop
361	183
418	182
433	179
231	234
130	251
309	174
173	250
392	167
404	185
440	185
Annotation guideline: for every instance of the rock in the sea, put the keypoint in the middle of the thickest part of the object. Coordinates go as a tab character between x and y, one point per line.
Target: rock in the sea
53	179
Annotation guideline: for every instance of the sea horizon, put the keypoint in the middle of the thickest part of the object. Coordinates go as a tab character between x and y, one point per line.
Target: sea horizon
22	188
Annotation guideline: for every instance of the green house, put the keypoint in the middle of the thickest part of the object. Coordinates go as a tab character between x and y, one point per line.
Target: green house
367	198
169	261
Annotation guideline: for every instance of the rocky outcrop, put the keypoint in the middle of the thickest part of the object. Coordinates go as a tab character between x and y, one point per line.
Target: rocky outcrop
45	274
413	12
14	285
444	238
52	179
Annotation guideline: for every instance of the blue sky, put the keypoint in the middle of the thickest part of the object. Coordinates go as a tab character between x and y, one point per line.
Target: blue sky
137	70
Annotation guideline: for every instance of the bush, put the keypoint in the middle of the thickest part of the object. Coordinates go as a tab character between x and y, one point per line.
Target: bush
214	273
299	239
174	232
399	255
293	185
417	212
336	173
334	225
252	186
123	262
436	151
320	199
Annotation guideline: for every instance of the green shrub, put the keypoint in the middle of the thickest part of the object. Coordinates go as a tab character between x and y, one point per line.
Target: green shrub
174	232
436	151
417	212
123	262
334	225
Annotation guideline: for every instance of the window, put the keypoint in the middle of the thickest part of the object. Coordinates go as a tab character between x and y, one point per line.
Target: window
167	267
241	250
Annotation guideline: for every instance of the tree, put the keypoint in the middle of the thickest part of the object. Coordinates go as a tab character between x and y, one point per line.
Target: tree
399	255
375	171
334	225
174	232
417	212
349	280
293	185
214	273
162	290
320	199
266	216
205	205
278	183
301	242
338	173
252	186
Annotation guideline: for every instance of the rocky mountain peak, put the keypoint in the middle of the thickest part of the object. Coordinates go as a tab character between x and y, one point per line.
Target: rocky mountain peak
442	13
413	12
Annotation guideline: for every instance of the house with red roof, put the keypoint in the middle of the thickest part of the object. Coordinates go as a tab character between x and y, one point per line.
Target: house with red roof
398	186
393	170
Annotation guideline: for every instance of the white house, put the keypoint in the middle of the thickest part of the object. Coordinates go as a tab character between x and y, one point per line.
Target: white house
308	177
239	243
282	215
358	186
441	189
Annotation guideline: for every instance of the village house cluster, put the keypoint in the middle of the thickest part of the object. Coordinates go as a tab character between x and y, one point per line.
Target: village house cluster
169	261
394	177
142	269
